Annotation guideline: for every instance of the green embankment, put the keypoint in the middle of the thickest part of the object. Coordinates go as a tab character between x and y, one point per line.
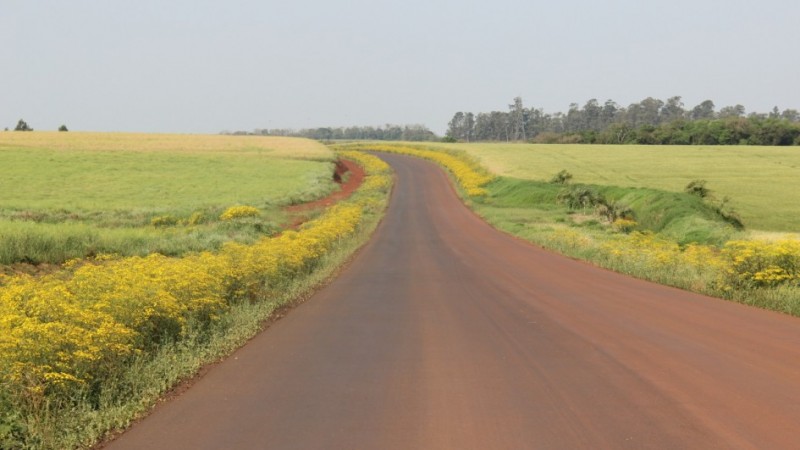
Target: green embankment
762	183
681	217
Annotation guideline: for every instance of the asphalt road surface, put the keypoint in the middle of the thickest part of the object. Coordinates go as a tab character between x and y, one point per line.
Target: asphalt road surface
444	333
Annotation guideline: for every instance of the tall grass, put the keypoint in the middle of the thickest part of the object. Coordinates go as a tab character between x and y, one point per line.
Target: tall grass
37	243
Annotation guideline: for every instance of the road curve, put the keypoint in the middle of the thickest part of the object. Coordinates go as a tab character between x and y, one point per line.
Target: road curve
446	334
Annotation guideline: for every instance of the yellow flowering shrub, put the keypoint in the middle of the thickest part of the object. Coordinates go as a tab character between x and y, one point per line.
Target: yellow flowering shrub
378	172
471	177
741	264
239	211
761	263
82	323
163	221
371	164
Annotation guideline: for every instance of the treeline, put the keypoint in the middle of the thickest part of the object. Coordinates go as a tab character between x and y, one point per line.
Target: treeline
381	133
650	121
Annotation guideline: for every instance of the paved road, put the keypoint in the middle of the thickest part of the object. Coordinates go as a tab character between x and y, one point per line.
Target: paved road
446	334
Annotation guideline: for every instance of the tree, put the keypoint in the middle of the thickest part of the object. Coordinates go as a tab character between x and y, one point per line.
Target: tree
562	177
609	114
731	111
673	110
591	115
22	126
573	121
704	110
791	115
697	188
517	112
456	126
469	126
651	109
63	128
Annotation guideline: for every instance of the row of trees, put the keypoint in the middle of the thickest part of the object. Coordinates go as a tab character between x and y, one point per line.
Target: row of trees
648	121
726	131
385	133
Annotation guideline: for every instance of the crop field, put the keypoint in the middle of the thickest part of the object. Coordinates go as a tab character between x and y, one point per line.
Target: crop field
763	183
279	147
68	195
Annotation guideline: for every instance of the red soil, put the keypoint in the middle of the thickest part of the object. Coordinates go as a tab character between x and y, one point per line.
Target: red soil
347	185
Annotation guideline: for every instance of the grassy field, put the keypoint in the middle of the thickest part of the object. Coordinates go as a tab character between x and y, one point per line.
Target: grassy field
763	183
279	147
66	195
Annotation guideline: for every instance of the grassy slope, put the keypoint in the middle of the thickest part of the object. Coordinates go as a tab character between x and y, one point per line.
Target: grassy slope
762	182
678	216
66	195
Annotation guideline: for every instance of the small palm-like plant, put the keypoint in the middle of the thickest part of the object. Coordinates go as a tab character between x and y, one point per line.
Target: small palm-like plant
698	188
562	177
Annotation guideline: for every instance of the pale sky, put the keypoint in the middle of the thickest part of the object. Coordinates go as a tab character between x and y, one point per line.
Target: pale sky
197	66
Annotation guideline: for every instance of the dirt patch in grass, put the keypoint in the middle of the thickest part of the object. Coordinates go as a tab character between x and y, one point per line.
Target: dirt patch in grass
28	269
348	175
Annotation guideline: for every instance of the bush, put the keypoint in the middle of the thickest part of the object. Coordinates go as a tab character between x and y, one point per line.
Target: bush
562	177
750	264
163	221
614	211
580	197
197	218
22	126
697	188
240	211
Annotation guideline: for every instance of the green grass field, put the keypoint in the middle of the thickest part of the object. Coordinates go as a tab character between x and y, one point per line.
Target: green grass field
66	195
763	183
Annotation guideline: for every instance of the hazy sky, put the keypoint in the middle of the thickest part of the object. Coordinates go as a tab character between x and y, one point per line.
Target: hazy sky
206	66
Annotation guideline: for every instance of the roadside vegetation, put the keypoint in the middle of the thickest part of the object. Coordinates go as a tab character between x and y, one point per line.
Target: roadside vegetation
92	345
761	183
688	239
471	177
71	195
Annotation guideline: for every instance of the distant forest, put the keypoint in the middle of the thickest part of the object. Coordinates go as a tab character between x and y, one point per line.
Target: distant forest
650	121
386	133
